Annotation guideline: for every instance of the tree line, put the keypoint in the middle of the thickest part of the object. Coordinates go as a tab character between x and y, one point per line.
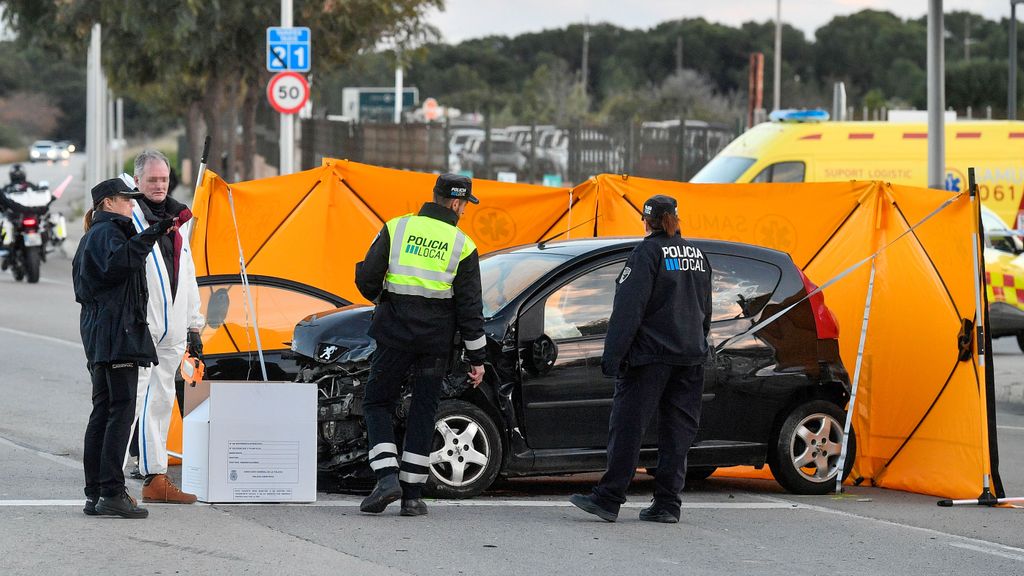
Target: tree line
200	65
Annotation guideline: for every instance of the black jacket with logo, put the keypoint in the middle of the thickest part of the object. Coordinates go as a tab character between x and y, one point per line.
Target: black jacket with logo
109	273
417	323
662	309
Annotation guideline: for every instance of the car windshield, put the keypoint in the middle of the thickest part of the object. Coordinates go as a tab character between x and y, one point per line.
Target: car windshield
505	275
722	170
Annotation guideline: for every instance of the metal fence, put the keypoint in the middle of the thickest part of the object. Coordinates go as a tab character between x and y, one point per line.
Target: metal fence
669	150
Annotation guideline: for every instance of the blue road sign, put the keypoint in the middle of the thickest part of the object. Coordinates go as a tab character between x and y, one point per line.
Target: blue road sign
289	49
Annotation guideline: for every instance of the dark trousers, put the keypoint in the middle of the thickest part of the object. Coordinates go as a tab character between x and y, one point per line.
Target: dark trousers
674	394
114	387
383	394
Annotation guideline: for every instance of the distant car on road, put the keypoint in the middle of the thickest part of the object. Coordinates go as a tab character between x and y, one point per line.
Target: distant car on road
46	150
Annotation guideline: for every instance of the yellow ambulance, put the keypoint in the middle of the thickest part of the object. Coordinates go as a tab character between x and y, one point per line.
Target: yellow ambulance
815	151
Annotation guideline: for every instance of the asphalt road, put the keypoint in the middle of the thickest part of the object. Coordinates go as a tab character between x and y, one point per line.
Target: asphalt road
519	527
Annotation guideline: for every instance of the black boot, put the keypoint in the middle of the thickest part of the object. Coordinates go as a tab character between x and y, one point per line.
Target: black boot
659	513
588	504
385	492
414	507
90	507
121	505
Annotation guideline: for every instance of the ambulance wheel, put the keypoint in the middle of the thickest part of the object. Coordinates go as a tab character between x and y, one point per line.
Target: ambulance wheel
1020	340
465	455
804	458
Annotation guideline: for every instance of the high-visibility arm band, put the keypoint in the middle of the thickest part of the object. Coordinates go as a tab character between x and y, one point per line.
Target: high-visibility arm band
476	344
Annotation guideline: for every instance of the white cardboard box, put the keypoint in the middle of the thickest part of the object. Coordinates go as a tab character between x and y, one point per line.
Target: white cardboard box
251	442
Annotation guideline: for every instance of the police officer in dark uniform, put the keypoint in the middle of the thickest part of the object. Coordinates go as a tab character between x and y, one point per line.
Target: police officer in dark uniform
656	347
109	274
424	274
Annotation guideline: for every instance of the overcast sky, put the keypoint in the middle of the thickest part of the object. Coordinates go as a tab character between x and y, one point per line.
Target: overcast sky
464	19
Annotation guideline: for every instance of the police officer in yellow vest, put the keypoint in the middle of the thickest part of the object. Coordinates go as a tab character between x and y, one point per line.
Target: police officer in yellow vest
424	274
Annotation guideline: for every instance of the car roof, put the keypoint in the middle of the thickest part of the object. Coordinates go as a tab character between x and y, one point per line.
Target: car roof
590	247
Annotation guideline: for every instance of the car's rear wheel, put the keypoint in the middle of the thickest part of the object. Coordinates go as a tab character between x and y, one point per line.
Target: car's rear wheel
1020	340
465	456
806	451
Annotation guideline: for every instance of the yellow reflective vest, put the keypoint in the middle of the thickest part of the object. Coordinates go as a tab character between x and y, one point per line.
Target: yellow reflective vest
425	255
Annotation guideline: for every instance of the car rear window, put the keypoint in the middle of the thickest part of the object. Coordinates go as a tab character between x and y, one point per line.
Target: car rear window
740	287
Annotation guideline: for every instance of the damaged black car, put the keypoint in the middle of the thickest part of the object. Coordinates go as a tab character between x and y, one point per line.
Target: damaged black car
775	397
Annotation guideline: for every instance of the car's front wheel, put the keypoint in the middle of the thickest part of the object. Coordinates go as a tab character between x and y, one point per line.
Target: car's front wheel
465	456
805	454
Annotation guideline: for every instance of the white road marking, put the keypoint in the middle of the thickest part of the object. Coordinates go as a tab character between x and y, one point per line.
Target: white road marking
961	541
984	550
1017	428
446	503
73	344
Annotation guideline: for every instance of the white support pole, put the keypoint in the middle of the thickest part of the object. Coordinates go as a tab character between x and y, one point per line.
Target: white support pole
287	136
399	87
856	379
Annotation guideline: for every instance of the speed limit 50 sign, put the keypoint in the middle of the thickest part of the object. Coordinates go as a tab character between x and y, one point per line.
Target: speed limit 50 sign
288	92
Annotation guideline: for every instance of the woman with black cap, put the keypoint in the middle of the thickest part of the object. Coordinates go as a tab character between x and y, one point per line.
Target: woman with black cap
656	348
109	278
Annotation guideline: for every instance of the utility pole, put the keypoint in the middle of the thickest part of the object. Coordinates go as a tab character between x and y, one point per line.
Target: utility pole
586	53
679	55
96	107
967	37
287	136
1011	102
777	82
936	96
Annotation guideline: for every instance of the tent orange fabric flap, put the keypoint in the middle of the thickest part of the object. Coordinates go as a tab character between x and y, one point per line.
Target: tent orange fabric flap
920	414
919	417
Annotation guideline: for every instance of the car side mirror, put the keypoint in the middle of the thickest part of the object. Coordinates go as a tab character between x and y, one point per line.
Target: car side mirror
541	355
217	308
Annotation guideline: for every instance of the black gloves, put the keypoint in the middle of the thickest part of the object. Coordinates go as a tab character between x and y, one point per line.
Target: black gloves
195	344
157	230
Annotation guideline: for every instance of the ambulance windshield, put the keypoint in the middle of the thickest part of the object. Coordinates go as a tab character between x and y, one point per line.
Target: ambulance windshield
722	170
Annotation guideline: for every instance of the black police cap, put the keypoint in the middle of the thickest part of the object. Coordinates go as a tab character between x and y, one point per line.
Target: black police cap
455	186
110	188
658	205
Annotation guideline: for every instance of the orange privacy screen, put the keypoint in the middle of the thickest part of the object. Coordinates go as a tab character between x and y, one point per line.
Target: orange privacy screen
920	413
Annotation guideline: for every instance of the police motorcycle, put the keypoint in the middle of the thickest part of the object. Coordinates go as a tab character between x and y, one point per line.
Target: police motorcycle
30	231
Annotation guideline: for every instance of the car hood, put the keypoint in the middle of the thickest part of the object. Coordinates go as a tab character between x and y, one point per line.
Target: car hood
335	336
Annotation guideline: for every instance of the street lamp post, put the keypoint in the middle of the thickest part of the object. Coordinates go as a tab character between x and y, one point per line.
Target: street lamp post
777	83
936	96
1011	102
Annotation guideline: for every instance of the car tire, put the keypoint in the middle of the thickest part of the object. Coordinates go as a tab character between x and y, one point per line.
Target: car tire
795	463
466	452
1020	340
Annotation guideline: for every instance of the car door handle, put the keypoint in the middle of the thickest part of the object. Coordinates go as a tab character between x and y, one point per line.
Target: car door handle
707	397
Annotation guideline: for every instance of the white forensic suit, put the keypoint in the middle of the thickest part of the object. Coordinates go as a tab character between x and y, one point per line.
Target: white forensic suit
170	319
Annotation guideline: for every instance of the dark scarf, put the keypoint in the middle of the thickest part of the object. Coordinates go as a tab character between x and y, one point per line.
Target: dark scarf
170	245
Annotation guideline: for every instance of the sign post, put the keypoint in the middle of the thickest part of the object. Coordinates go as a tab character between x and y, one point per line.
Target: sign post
289	49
